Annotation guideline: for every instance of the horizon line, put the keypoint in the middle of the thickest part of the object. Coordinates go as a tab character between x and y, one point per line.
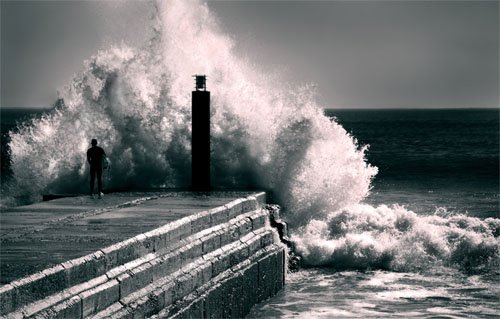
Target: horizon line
414	108
48	108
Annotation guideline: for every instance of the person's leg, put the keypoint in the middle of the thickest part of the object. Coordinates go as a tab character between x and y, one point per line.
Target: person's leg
92	180
99	181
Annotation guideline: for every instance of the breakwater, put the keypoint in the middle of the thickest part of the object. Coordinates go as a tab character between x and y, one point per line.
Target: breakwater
216	262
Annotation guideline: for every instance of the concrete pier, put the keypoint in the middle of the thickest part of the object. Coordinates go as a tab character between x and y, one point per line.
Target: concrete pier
139	255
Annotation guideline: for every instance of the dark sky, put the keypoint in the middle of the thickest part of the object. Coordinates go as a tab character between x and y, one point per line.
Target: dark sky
359	53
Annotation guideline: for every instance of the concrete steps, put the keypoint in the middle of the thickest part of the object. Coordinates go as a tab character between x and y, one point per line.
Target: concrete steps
161	269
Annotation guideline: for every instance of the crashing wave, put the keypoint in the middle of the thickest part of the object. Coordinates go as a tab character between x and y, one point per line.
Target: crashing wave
265	134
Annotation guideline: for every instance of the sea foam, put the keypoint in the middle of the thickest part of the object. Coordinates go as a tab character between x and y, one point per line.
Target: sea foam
393	238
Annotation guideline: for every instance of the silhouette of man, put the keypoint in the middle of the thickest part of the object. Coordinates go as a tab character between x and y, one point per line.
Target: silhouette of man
95	156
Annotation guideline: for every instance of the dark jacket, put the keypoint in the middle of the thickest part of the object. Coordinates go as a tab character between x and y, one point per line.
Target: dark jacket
95	154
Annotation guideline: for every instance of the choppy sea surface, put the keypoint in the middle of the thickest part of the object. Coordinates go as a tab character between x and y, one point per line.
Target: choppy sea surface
324	293
433	162
431	159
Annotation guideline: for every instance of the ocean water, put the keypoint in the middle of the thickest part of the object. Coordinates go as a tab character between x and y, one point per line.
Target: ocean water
395	208
441	163
430	159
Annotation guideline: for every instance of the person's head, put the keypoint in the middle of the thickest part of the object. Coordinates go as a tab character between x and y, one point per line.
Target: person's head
94	142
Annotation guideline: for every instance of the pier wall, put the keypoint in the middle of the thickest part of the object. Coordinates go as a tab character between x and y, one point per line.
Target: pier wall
216	263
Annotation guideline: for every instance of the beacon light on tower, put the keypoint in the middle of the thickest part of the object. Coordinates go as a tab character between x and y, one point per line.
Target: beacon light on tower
201	82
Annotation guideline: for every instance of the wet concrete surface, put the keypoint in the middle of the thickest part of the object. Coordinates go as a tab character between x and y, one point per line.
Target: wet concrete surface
41	235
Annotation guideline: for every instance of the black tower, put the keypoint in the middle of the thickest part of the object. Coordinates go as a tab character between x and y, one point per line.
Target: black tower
200	139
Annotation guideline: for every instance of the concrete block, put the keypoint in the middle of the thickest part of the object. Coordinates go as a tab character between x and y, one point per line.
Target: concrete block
158	298
213	304
219	215
125	284
85	268
112	311
53	280
249	204
265	278
198	278
234	208
253	244
111	256
190	252
280	270
166	265
145	244
236	296
132	249
151	301
160	236
229	294
206	271
184	284
244	227
266	239
220	264
111	253
212	230
181	229
225	236
160	240
260	198
223	302
135	279
117	271
98	298
233	233
259	220
158	268
7	299
176	244
239	254
168	295
149	305
250	287
200	221
211	242
71	308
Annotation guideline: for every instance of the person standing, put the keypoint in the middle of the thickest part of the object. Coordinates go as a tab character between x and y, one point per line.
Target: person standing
95	157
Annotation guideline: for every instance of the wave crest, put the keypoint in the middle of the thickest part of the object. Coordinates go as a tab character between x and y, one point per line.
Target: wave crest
363	237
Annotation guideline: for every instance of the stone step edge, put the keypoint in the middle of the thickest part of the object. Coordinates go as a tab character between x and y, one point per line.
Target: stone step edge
176	286
243	295
68	274
205	242
128	275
